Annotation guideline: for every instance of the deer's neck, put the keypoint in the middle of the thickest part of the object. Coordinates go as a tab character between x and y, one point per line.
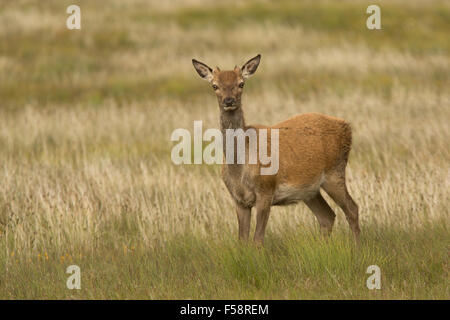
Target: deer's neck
231	120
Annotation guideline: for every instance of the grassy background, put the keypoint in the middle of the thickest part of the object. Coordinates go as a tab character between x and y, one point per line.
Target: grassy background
85	124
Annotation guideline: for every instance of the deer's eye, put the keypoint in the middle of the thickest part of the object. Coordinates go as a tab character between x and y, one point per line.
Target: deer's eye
241	85
215	87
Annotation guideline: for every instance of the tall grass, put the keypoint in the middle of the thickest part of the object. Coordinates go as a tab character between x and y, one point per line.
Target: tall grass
85	170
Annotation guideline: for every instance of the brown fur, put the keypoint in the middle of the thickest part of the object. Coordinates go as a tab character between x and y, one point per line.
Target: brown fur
313	154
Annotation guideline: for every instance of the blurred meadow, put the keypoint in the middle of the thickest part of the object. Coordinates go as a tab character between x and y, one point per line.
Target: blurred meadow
86	176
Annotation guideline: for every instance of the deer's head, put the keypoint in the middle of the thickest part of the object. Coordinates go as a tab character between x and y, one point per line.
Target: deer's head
228	85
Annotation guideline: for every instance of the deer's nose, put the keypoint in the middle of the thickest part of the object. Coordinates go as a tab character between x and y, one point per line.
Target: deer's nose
229	101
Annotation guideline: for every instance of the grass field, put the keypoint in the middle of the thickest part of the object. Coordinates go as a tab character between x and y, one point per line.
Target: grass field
86	176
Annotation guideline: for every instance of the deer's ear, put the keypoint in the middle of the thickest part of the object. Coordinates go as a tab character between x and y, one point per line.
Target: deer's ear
250	66
203	70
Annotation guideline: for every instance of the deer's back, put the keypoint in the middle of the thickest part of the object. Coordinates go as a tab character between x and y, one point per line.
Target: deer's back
310	145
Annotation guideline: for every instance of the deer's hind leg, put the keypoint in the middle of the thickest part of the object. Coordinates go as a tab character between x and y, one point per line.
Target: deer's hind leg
323	213
336	188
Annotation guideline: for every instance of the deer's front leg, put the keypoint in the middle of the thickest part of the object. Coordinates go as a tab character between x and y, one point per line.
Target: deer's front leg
244	217
263	211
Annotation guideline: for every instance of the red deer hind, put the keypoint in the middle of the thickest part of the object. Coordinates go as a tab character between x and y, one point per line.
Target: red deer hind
313	153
